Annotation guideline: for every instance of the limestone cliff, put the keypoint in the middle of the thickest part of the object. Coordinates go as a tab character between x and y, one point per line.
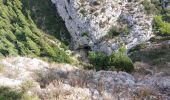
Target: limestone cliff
89	22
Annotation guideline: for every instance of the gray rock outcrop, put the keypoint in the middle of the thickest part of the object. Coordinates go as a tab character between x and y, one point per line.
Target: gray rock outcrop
89	22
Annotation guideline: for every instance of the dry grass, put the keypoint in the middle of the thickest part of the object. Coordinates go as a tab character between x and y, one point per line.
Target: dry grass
146	93
27	85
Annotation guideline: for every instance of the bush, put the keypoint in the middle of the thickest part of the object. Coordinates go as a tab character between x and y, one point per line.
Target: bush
166	18
48	50
161	24
98	60
85	34
7	93
149	7
121	62
113	31
117	59
138	47
33	46
125	30
158	7
22	49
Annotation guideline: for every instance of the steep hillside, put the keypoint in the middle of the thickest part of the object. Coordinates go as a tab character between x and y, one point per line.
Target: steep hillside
20	35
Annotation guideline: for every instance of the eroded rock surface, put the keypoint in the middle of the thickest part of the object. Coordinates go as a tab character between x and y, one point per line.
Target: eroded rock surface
89	22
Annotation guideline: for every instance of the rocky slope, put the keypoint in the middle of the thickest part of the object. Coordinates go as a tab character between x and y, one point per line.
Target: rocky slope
67	82
89	22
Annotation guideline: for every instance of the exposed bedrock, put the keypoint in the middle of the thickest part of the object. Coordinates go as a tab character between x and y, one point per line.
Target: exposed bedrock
89	22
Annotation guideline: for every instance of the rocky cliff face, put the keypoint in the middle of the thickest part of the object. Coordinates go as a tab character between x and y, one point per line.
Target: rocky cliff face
89	22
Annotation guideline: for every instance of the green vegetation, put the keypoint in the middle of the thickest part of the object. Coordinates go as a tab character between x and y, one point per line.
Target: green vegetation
99	60
45	16
9	94
85	34
26	85
154	7
162	24
157	39
115	31
158	9
121	61
138	47
158	56
83	12
151	8
162	19
19	35
117	60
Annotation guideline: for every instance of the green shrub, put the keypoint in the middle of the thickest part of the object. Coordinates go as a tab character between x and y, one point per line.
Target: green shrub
33	46
149	7
161	26
138	47
7	93
166	18
22	49
82	11
48	50
155	56
121	61
85	34
26	85
125	30
158	7
117	59
6	47
98	59
10	36
113	31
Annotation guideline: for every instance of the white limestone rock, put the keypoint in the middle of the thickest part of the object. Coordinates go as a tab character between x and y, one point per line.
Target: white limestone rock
97	17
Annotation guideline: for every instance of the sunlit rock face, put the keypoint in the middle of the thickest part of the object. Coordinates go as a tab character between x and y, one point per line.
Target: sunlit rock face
89	22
